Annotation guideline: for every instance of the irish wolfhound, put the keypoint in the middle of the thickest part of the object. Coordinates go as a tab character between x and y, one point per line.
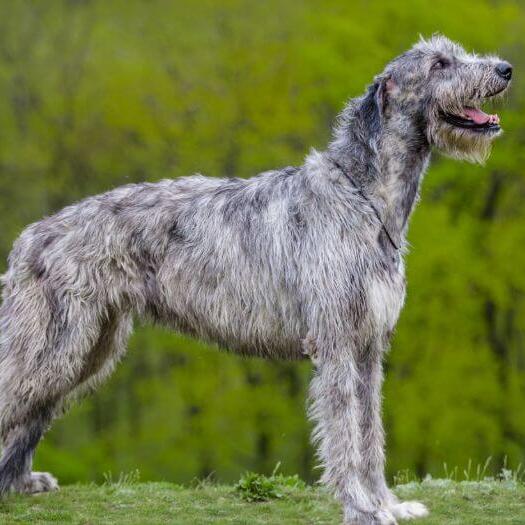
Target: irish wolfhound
304	260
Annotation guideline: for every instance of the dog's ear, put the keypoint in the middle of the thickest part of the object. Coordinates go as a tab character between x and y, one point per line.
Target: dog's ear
384	87
375	103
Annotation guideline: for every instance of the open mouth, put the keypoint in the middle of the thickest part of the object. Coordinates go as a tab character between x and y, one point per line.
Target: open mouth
473	119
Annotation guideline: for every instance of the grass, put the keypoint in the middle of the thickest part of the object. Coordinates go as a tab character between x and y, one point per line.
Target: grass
255	499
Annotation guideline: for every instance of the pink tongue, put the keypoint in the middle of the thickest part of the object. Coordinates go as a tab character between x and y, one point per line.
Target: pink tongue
478	116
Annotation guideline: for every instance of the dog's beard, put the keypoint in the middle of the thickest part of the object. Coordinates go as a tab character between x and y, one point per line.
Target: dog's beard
460	143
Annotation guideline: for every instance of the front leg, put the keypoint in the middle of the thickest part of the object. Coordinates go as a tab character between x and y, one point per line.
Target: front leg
335	410
372	466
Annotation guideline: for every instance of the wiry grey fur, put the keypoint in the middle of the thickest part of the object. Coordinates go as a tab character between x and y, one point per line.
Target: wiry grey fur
290	262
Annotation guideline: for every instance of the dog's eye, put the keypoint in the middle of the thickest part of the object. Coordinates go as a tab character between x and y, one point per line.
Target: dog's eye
440	63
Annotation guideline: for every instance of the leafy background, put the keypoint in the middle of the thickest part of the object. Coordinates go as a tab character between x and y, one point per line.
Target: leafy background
94	94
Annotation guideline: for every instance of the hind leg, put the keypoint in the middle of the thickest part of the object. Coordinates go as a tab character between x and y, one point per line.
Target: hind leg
28	400
24	421
45	359
36	399
19	443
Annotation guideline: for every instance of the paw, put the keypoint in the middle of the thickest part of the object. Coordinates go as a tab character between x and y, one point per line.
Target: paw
40	482
408	510
384	517
379	517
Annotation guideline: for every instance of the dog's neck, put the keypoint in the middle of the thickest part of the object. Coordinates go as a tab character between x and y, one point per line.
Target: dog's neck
385	159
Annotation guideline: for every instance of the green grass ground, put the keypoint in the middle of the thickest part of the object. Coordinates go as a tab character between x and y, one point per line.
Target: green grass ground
472	503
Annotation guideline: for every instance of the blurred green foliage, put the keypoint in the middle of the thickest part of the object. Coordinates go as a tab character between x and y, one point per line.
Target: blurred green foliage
95	94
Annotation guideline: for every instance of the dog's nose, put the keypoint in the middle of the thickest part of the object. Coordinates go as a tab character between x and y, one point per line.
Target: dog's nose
504	70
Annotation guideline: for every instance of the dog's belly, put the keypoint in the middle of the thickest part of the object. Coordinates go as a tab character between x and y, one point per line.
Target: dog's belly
244	337
248	325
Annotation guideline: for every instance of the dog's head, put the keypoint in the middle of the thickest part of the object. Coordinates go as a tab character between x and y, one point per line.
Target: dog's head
440	88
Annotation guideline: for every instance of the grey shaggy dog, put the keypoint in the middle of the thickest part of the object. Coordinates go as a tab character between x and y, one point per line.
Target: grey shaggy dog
299	261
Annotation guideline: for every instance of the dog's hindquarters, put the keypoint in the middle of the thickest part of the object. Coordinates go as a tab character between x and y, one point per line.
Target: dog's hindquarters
51	348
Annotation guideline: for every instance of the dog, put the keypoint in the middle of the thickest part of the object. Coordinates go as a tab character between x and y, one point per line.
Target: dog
299	261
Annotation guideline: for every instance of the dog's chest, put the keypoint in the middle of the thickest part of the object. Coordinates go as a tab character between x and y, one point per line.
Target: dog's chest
386	295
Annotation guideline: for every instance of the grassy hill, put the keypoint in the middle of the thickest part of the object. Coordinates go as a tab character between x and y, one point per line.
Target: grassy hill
128	502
